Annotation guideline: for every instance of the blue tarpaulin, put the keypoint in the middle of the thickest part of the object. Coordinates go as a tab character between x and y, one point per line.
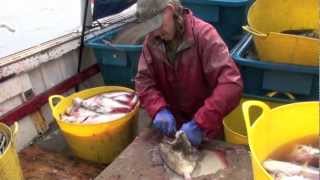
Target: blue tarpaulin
103	8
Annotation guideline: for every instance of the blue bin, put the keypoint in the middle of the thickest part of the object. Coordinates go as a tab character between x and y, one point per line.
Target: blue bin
118	63
262	78
103	8
227	16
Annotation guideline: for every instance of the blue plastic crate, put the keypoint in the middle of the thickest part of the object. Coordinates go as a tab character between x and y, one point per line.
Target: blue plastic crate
118	62
261	77
227	16
103	8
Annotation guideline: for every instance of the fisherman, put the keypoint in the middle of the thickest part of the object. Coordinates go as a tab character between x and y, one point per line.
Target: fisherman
186	78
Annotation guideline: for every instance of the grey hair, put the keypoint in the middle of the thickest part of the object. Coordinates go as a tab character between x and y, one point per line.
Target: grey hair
178	17
175	2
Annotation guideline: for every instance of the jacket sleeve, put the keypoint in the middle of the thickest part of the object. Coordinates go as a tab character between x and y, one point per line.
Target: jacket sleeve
226	92
145	84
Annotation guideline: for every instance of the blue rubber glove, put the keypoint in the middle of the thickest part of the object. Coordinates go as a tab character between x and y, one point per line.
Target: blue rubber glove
165	122
193	132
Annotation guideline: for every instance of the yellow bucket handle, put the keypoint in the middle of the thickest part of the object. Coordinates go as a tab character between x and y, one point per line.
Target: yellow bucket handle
246	106
14	129
254	32
274	93
51	99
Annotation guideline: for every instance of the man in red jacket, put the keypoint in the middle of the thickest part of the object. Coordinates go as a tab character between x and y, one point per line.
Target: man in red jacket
186	78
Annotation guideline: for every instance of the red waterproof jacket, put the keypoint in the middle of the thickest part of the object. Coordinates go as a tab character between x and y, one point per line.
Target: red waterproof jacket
203	83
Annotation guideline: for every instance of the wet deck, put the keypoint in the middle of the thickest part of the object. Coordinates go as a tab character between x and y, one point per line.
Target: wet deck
50	159
38	163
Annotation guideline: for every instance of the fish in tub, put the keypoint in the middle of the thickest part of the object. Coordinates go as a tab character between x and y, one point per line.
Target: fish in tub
296	160
101	108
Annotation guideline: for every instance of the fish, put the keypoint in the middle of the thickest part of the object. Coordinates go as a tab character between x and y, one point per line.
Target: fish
109	103
115	94
179	155
304	154
101	108
128	100
286	177
211	162
281	169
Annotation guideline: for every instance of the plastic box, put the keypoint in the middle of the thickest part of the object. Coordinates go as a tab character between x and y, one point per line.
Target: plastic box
283	81
118	62
227	16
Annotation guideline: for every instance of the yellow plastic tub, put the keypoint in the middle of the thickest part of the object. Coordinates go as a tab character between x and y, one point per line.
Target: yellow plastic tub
276	127
10	168
100	143
235	131
267	19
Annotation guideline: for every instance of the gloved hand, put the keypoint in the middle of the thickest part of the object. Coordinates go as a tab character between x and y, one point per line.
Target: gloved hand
165	122
193	132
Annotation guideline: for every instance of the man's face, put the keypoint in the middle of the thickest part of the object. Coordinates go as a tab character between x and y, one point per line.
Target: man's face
167	30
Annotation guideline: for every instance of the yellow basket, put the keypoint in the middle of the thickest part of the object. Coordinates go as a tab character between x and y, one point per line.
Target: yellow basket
235	131
267	19
277	127
10	168
100	143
